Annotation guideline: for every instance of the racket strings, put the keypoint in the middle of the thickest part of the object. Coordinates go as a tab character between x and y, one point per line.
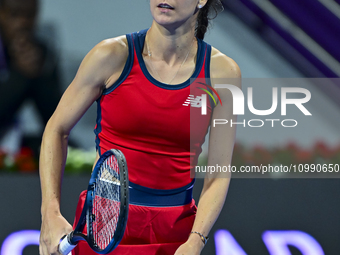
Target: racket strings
106	204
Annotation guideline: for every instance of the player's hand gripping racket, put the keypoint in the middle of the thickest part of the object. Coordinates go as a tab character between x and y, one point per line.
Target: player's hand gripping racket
106	206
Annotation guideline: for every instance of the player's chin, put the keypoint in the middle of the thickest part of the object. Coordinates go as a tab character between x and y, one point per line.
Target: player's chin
163	18
167	22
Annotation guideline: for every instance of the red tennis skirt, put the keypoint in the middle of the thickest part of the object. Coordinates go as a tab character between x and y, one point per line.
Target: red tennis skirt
149	230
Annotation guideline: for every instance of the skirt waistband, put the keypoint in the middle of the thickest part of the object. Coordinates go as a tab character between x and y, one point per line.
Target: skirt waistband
140	195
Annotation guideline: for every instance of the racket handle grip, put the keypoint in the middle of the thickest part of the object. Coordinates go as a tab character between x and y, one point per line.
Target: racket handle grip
65	247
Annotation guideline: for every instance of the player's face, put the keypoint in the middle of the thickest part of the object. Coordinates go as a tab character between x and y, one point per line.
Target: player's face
18	16
173	13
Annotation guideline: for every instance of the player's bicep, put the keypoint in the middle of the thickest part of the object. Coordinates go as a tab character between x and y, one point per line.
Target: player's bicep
103	62
72	106
222	132
86	87
222	129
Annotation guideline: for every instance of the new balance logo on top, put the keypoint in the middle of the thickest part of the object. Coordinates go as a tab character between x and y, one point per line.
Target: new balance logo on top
189	99
193	101
198	102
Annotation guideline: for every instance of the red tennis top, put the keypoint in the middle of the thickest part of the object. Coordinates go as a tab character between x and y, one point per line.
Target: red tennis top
159	128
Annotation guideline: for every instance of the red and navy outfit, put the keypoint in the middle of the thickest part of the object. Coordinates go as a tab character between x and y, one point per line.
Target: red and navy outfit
161	139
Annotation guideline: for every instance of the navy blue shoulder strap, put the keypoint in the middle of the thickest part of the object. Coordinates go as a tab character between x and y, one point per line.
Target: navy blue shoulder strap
207	60
127	67
141	36
206	51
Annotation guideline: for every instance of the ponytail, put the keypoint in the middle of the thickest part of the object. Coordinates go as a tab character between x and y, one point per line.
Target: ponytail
203	18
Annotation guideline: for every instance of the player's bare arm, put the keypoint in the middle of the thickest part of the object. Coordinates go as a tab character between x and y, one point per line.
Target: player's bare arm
100	68
221	143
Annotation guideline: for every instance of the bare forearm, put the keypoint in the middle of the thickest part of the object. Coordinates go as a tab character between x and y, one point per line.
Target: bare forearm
210	204
52	162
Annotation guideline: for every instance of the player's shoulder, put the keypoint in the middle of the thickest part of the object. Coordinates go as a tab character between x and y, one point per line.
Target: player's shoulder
113	51
222	66
104	60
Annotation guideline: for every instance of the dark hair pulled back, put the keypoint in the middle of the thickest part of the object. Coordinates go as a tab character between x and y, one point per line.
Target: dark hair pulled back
209	11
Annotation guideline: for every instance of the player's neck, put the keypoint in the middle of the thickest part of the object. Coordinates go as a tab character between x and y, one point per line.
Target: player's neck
170	46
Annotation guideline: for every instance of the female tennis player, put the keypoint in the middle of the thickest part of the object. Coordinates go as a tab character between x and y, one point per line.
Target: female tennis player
141	82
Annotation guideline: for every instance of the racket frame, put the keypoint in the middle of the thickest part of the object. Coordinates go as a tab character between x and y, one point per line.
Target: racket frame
86	216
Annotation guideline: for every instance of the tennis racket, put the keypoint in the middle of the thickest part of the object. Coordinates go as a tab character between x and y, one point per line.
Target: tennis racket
106	206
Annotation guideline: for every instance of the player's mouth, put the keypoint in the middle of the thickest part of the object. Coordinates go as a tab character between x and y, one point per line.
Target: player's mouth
165	6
